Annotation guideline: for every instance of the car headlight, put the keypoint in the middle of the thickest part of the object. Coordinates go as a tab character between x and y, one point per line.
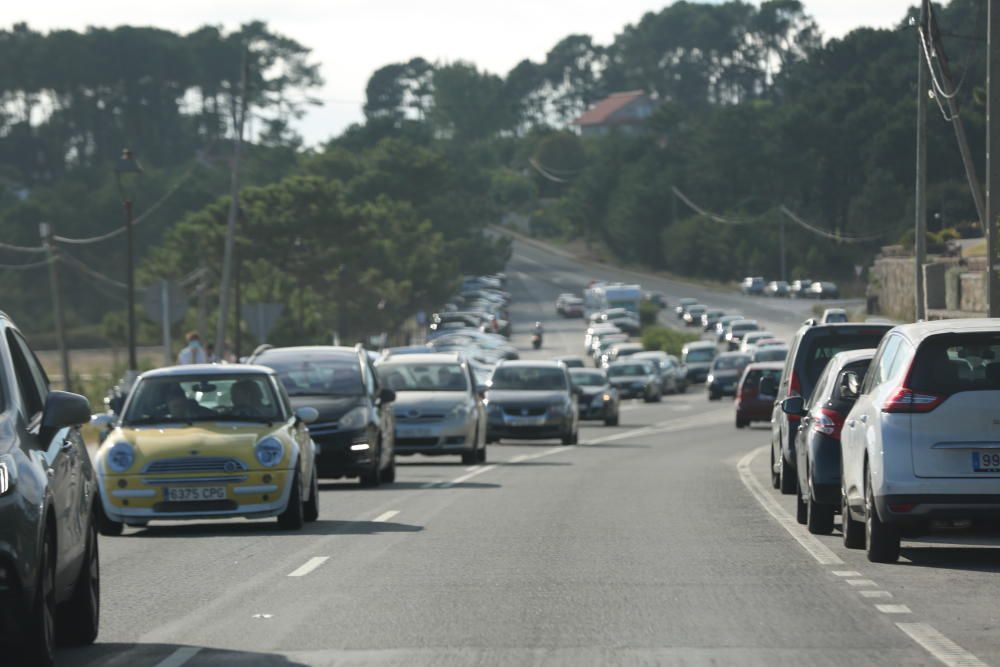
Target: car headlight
710	379
353	420
120	457
269	452
557	409
8	474
460	411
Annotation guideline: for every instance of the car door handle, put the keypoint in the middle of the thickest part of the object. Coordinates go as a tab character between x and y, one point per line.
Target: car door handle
68	446
850	423
864	419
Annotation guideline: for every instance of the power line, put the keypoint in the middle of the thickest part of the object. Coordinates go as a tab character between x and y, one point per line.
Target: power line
829	235
21	248
23	267
699	210
86	270
555	179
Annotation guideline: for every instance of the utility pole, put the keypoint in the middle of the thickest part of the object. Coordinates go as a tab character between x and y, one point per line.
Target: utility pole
920	235
45	230
992	150
781	242
239	117
238	333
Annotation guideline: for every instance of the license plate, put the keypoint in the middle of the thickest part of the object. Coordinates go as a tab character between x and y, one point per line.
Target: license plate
986	461
525	421
415	432
193	493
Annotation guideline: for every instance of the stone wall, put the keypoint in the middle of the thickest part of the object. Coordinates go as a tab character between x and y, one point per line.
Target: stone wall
954	287
892	283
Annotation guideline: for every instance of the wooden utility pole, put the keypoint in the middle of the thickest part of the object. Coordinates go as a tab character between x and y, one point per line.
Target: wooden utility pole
45	229
992	151
920	232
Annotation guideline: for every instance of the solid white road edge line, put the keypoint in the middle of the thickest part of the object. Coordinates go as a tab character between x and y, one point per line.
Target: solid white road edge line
385	516
179	657
308	566
814	547
942	648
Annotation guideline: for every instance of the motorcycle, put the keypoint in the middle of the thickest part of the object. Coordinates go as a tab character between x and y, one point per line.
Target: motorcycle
536	341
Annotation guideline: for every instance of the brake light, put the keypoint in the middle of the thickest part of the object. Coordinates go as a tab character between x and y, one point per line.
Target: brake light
828	422
794	389
905	400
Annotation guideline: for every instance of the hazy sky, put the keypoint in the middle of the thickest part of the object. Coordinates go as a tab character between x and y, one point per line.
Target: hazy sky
352	38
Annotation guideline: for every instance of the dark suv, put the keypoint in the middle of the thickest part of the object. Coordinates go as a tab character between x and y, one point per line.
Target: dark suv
355	430
811	349
49	575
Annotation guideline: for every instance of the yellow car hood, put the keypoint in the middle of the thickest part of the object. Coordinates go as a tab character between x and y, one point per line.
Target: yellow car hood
152	442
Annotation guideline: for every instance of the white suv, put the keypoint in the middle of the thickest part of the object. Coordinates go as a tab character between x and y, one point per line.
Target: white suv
923	439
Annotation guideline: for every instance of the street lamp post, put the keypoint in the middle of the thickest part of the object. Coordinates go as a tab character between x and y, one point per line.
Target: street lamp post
125	171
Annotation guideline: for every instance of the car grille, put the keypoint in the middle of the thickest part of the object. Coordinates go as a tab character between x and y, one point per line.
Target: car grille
420	418
326	428
195	464
531	411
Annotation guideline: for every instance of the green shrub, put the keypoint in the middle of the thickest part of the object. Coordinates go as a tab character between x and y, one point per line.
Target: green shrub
664	338
648	312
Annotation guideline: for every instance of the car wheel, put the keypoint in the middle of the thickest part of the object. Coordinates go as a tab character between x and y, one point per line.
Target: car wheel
39	643
775	478
310	511
372	478
481	455
881	539
741	423
713	396
853	531
79	618
570	439
469	458
788	483
105	525
293	517
388	476
800	506
611	421
658	397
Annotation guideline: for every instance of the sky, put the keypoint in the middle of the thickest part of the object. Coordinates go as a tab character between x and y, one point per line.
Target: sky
353	38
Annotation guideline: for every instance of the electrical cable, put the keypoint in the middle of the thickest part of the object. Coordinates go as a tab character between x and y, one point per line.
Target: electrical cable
21	248
555	179
86	270
23	267
700	211
830	235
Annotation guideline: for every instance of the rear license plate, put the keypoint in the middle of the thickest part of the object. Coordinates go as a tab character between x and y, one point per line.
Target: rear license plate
986	461
194	493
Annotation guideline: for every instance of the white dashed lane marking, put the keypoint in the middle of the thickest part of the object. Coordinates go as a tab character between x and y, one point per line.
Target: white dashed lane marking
385	516
308	566
893	608
861	582
942	648
875	594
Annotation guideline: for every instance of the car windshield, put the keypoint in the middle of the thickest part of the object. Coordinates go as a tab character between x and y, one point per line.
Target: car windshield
771	354
699	355
189	399
528	378
730	363
588	378
628	370
317	376
403	376
951	363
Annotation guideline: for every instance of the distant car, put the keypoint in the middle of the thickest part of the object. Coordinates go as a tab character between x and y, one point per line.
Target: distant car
817	443
751	404
658	299
437	408
799	288
571	361
636	379
752	286
725	374
603	343
777	288
833	316
823	290
672	376
722	326
596	330
598	399
49	512
750	339
736	331
692	316
532	400
682	305
621	318
621	351
769	353
697	358
810	350
569	305
710	317
920	442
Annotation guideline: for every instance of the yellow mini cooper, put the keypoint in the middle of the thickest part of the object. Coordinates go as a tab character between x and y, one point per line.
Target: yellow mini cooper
208	442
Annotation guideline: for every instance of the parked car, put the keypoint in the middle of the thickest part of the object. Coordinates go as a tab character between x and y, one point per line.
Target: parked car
776	288
752	405
710	317
50	590
811	349
833	316
692	316
749	340
672	380
598	399
532	400
636	379
920	442
736	331
697	357
769	353
823	290
799	288
355	429
722	326
752	286
571	361
727	368
817	443
437	408
682	305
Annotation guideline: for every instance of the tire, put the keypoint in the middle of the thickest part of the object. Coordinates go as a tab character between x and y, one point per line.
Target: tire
682	388
293	518
800	506
388	476
79	618
775	478
741	423
713	397
106	526
310	511
468	458
881	539
372	478
570	439
39	642
481	455
611	421
819	517
853	531
658	397
788	483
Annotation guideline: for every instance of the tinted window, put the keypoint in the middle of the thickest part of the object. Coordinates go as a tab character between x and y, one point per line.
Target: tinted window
950	363
423	377
771	354
528	378
588	378
814	352
31	393
753	378
700	355
629	370
728	363
200	398
317	376
883	364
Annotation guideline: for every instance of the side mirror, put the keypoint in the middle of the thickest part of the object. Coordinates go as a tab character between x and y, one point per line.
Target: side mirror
794	406
386	396
103	421
850	386
307	415
64	409
768	386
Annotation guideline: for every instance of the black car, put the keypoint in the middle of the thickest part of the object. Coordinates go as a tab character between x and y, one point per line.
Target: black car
598	400
49	571
636	379
532	400
727	368
817	444
811	349
354	433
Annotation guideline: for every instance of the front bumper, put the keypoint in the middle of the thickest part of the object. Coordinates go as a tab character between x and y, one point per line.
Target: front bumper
721	387
335	458
539	428
442	437
631	391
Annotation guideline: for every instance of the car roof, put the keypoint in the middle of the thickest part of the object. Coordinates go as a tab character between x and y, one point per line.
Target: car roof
726	355
586	370
850	356
311	349
527	363
627	361
425	358
918	331
208	370
650	354
695	344
563	357
766	366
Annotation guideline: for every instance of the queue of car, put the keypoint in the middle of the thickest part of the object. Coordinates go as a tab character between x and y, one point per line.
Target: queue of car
802	288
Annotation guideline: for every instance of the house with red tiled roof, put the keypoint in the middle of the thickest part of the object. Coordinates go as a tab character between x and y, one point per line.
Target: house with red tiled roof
626	112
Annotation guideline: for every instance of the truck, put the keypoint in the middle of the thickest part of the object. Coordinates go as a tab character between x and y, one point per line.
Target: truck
602	296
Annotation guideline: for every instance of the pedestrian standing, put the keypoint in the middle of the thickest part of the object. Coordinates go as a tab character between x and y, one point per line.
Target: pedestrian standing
193	352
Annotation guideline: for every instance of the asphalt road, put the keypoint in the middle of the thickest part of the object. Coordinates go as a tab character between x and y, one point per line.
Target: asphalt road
655	542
